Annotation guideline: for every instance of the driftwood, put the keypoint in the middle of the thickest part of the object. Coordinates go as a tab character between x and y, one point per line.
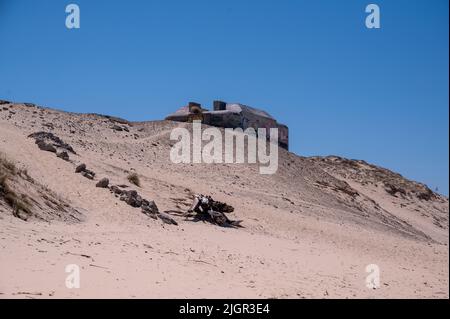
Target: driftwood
167	218
205	208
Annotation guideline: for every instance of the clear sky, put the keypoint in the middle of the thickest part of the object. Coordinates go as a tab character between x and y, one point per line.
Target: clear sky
375	94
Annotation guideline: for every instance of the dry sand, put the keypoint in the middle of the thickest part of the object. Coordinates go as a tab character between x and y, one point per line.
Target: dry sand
309	231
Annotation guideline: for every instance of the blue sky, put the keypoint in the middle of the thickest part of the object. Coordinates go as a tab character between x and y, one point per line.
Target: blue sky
375	94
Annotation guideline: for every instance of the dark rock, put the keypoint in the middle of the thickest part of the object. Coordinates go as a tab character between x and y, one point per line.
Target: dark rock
111	118
103	183
84	171
64	155
80	168
88	174
393	190
132	198
150	206
46	147
116	127
347	189
115	189
52	139
49	126
426	195
150	209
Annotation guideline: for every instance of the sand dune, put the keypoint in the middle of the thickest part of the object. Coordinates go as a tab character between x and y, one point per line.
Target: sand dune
309	231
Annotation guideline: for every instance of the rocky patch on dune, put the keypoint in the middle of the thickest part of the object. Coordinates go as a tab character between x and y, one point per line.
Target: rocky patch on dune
63	155
103	183
148	207
120	128
340	187
112	119
384	193
207	210
84	171
48	141
364	173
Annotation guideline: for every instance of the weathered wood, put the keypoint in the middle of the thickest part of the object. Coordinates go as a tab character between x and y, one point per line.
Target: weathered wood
207	209
167	218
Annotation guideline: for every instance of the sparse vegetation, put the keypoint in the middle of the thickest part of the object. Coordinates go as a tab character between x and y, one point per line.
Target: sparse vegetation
3	185
19	204
7	165
23	172
133	178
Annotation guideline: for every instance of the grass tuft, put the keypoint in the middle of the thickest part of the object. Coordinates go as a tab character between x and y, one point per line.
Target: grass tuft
8	165
133	178
20	205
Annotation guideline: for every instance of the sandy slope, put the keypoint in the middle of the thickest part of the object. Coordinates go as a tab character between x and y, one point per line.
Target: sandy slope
310	230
